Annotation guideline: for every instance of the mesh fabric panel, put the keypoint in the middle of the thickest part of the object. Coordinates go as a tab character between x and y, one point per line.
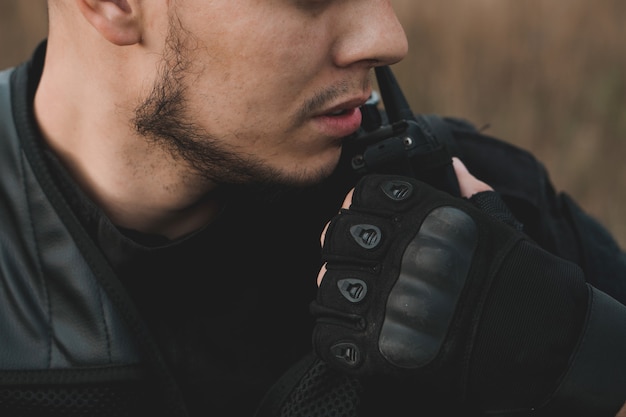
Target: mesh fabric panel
122	399
323	393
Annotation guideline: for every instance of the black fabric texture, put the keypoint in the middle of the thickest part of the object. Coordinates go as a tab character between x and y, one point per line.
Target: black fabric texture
529	327
491	203
594	384
323	392
121	399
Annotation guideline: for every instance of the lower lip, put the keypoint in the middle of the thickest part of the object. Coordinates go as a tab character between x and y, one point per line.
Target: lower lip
340	126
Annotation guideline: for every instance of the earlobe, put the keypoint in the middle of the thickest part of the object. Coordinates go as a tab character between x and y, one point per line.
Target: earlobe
115	20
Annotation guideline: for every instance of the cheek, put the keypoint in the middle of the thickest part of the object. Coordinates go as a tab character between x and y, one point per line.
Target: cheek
255	69
240	114
269	51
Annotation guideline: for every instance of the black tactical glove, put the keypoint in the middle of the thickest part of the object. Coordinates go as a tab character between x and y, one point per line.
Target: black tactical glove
425	287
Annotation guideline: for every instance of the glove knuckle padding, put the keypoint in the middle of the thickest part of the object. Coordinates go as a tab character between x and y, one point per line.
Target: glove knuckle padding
397	263
432	275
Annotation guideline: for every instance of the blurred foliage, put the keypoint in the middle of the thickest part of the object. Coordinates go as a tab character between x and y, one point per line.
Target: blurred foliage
23	23
546	75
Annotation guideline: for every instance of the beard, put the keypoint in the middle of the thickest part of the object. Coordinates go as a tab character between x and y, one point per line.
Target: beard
162	118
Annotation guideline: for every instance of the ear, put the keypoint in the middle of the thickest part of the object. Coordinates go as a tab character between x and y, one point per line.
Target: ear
115	20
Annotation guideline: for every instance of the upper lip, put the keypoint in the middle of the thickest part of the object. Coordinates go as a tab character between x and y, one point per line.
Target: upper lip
345	105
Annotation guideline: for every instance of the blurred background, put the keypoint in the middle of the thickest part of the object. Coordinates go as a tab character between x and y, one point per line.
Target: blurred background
546	75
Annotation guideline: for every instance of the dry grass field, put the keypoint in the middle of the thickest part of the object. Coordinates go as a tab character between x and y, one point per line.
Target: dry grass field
547	75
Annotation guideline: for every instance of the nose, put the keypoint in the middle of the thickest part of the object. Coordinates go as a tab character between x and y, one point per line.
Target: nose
369	34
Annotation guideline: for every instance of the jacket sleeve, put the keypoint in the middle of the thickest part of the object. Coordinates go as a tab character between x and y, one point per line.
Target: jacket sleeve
595	383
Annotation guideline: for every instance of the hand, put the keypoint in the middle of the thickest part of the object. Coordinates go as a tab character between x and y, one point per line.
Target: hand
469	186
425	286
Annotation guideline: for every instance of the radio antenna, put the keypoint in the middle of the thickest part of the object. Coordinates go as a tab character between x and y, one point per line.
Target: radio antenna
396	105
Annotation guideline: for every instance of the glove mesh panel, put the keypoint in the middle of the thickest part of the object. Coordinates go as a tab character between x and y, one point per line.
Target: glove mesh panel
323	393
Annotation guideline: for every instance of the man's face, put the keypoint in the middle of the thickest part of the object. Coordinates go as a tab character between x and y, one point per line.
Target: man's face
264	90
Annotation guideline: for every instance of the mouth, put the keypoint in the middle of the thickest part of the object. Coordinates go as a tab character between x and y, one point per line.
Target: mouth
344	108
339	122
339	112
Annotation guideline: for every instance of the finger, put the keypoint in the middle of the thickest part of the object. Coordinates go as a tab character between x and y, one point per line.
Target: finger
346	204
320	275
348	200
468	184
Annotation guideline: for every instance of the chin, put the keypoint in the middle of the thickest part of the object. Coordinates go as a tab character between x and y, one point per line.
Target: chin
305	179
299	172
318	173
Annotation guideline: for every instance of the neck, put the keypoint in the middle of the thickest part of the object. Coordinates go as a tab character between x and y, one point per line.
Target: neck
137	184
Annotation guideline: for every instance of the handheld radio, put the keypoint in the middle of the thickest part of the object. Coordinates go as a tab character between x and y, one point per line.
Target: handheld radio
396	141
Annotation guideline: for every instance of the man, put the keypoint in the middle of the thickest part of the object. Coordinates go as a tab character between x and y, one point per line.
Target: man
166	172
